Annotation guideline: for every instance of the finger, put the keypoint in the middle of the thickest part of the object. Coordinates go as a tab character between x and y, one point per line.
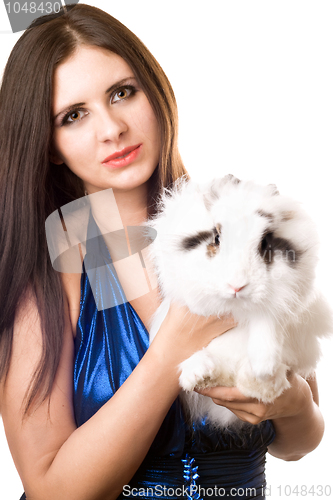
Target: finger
250	409
227	394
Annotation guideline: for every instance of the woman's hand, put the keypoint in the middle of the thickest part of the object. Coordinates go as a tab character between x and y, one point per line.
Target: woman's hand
186	333
291	402
296	417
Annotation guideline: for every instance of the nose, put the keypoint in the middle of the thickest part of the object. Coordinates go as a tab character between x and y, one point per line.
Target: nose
237	289
110	126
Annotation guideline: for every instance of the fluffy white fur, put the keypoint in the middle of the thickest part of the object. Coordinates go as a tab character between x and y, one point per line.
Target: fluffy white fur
279	313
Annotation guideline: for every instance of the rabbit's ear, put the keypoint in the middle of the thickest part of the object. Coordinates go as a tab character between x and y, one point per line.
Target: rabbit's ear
216	188
231	178
274	189
210	197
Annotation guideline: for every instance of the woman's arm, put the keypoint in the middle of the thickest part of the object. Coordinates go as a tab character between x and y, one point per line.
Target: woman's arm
301	432
57	460
297	419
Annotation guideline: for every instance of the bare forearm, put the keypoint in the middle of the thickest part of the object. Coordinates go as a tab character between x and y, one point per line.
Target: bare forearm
93	462
298	434
103	454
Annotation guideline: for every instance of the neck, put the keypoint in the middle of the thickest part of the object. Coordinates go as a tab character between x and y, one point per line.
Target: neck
132	206
115	210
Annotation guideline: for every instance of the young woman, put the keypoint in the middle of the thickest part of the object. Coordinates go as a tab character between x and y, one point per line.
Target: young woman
84	107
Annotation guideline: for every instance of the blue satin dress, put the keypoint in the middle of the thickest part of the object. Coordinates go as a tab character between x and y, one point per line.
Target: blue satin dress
190	462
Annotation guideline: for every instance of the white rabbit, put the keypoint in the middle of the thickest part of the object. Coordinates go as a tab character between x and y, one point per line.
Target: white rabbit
236	247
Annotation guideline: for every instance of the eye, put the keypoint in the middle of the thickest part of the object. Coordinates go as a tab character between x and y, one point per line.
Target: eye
122	94
266	242
73	116
217	233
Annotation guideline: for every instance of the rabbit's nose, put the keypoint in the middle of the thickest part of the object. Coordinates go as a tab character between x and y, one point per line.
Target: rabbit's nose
237	289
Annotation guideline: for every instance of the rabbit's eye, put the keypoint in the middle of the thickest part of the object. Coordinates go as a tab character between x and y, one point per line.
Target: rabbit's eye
266	242
265	248
217	232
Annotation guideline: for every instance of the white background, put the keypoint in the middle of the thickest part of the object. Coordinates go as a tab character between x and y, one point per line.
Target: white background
253	81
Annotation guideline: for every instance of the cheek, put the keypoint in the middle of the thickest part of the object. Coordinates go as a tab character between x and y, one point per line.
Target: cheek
155	132
72	147
147	122
152	125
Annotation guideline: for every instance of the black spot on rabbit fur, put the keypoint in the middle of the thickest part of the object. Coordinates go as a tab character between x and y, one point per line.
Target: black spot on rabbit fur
273	248
191	242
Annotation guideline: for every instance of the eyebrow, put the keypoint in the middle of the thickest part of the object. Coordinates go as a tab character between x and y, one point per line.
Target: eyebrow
113	87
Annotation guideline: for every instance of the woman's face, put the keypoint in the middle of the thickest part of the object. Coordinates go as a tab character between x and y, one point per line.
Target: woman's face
104	127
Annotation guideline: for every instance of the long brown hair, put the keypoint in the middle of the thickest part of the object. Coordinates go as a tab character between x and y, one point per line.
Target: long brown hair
31	187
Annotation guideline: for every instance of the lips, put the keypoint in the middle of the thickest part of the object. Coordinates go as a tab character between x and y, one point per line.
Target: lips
123	157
